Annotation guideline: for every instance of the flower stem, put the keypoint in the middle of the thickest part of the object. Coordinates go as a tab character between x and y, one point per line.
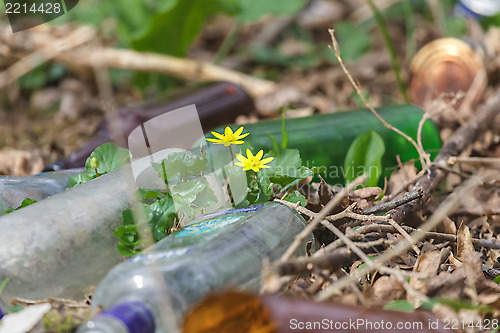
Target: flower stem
253	184
232	156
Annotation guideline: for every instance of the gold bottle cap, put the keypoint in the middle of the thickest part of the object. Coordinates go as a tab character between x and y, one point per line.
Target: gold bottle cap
446	65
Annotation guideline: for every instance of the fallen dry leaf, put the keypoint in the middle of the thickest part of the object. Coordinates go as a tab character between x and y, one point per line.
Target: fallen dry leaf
464	242
427	265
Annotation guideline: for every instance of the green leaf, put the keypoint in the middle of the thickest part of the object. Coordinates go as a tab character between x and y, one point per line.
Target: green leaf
284	132
354	41
110	157
365	156
455	26
161	216
3	284
26	202
261	191
149	196
252	10
490	21
180	165
15	308
206	198
79	179
157	218
270	56
399	305
186	192
273	140
459	304
173	28
497	279
283	158
128	217
429	304
370	257
295	197
291	175
125	229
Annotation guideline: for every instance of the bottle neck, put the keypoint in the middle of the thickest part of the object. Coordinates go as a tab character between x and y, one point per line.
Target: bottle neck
136	316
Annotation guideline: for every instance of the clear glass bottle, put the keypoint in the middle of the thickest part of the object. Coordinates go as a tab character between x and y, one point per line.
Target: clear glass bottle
13	190
224	249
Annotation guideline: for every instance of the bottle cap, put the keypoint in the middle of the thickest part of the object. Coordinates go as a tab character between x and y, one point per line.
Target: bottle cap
136	316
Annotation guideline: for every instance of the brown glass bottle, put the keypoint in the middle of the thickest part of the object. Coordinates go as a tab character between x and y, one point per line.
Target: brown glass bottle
232	311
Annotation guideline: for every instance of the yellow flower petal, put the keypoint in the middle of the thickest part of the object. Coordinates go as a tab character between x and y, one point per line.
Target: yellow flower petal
243	136
240	157
214	140
267	160
217	135
259	154
228	131
249	154
238	131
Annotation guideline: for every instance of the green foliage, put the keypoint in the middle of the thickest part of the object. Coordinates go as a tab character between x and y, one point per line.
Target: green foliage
286	168
79	179
295	196
365	156
358	100
107	157
399	305
490	21
284	172
354	41
41	76
157	218
272	56
462	304
252	10
157	211
3	284
15	308
179	166
173	28
26	202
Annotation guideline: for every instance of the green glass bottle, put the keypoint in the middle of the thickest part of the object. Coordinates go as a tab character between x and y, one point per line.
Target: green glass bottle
324	139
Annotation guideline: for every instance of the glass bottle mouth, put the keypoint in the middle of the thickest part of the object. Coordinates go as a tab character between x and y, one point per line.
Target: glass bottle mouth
136	316
477	9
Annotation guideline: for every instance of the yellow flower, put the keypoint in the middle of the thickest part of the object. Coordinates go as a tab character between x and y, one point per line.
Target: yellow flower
251	162
229	138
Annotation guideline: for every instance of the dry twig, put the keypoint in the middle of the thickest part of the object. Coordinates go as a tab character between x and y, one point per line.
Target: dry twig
386	206
451	203
50	51
464	136
320	216
424	158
